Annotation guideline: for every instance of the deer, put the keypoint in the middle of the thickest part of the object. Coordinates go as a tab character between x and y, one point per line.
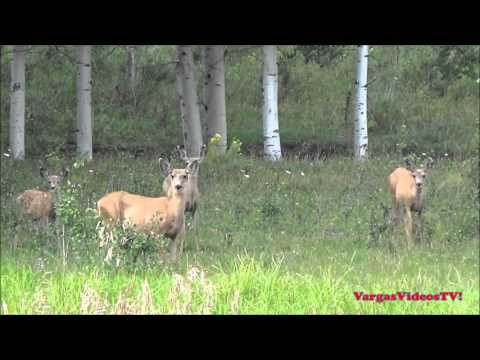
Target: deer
163	215
407	188
192	194
40	205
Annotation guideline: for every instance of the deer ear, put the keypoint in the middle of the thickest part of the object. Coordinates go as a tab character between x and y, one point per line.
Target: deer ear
65	172
192	167
43	172
165	166
409	165
203	152
428	164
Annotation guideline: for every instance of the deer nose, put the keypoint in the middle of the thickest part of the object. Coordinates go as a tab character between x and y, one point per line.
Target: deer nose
178	187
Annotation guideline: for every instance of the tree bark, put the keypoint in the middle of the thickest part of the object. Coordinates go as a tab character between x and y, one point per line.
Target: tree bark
131	71
84	102
215	95
203	102
17	103
193	127
360	121
271	132
180	100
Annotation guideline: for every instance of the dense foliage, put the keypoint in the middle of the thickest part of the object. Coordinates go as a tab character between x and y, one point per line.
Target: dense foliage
421	98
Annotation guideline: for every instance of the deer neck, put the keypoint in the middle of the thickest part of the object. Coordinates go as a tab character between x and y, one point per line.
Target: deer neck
176	202
418	200
55	195
55	199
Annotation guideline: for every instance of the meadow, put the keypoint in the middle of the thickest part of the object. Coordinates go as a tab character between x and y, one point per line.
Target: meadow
300	236
306	235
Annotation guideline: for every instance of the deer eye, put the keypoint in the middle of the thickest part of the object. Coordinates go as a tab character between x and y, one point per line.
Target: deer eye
172	176
184	176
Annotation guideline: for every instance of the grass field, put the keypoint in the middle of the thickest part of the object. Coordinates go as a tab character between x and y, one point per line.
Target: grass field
294	237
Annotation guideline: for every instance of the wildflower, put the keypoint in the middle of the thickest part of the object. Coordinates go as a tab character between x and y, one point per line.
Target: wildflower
302	174
247	176
288	172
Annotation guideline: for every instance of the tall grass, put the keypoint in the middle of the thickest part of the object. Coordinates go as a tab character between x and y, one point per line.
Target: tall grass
294	237
245	287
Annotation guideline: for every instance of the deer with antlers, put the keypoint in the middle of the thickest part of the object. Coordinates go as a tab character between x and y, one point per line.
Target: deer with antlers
407	187
192	194
154	215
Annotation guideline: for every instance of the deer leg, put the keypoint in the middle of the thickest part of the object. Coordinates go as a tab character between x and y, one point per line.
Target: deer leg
44	221
195	227
176	245
421	228
395	219
395	212
408	225
181	237
136	256
173	249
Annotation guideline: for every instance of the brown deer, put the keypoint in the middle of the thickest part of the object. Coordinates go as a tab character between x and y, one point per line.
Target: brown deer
153	215
40	205
192	194
407	187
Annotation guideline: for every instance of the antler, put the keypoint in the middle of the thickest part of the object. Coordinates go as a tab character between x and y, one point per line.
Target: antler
409	164
44	172
65	171
428	164
181	153
203	152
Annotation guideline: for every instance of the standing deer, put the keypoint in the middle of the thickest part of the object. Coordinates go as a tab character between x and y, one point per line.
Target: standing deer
192	194
407	187
40	205
158	215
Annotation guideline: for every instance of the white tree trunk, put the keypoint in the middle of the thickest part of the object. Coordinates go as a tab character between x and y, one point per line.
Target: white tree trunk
131	70
17	103
180	100
360	120
215	95
84	102
271	132
193	127
203	102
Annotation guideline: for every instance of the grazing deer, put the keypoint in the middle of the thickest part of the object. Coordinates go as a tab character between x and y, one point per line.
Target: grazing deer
161	215
407	190
192	194
40	205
